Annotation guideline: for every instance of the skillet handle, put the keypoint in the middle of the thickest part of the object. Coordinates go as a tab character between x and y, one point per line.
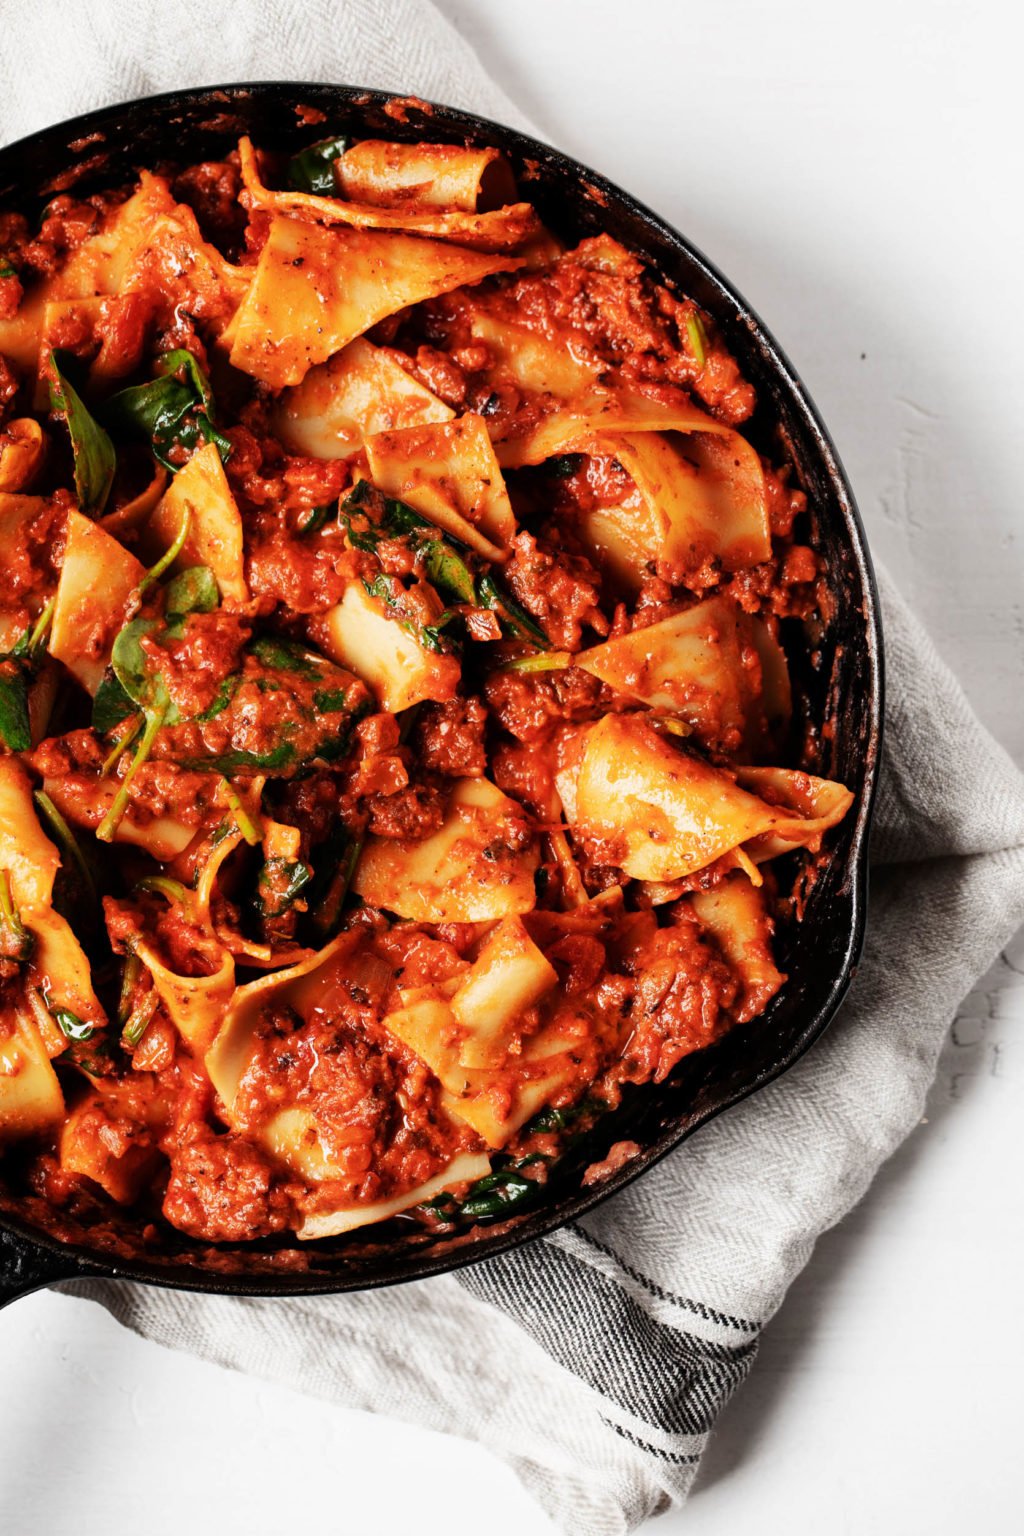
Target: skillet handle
27	1267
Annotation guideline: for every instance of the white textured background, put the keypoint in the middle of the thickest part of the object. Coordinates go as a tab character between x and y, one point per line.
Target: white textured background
856	172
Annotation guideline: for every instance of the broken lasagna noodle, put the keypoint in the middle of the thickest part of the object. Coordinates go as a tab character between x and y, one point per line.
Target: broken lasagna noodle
397	740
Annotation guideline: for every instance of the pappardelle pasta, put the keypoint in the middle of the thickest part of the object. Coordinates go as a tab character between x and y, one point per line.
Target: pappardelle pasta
399	757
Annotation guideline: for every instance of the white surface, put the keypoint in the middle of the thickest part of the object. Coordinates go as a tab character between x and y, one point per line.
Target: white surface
852	170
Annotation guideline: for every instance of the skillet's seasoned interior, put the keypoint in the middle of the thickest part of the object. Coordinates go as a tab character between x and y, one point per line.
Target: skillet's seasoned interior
394	709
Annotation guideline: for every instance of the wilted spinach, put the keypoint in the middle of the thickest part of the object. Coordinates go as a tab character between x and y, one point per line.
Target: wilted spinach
312	169
95	459
174	411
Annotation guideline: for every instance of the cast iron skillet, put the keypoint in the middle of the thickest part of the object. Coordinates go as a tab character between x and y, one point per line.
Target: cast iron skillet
838	677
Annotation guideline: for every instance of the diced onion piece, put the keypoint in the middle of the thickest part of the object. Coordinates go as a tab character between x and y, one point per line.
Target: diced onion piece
215	532
358	633
317	289
473	869
360	391
464	1169
30	1096
508	977
737	915
96	581
448	472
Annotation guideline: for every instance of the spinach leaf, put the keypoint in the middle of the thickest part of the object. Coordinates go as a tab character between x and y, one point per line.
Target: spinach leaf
146	688
369	516
516	621
110	705
563	465
389	591
226	691
447	571
318	517
14	719
285	656
174	411
278	885
75	876
17	673
496	1194
335	863
95	460
139	679
312	169
329	700
16	942
195	590
227	763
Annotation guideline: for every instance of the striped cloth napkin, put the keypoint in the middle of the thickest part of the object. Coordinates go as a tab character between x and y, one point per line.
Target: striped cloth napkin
596	1360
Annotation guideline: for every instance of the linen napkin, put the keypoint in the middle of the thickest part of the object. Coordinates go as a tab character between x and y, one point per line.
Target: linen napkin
596	1360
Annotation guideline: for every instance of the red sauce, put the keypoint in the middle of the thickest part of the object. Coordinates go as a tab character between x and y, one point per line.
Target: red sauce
234	730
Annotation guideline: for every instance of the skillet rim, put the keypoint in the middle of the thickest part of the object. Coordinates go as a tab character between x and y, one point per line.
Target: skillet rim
30	1257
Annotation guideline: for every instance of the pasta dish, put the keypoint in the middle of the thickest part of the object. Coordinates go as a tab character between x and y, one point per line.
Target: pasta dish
399	760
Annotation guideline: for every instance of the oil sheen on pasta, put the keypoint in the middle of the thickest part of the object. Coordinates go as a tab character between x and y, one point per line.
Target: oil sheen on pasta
399	756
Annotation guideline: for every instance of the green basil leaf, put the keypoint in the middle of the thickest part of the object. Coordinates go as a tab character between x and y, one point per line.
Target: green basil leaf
195	590
95	460
312	170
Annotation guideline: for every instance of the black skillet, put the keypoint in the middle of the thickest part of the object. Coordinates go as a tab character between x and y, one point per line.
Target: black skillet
838	677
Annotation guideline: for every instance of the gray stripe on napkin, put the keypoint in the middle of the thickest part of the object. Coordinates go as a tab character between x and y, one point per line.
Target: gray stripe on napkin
664	1376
